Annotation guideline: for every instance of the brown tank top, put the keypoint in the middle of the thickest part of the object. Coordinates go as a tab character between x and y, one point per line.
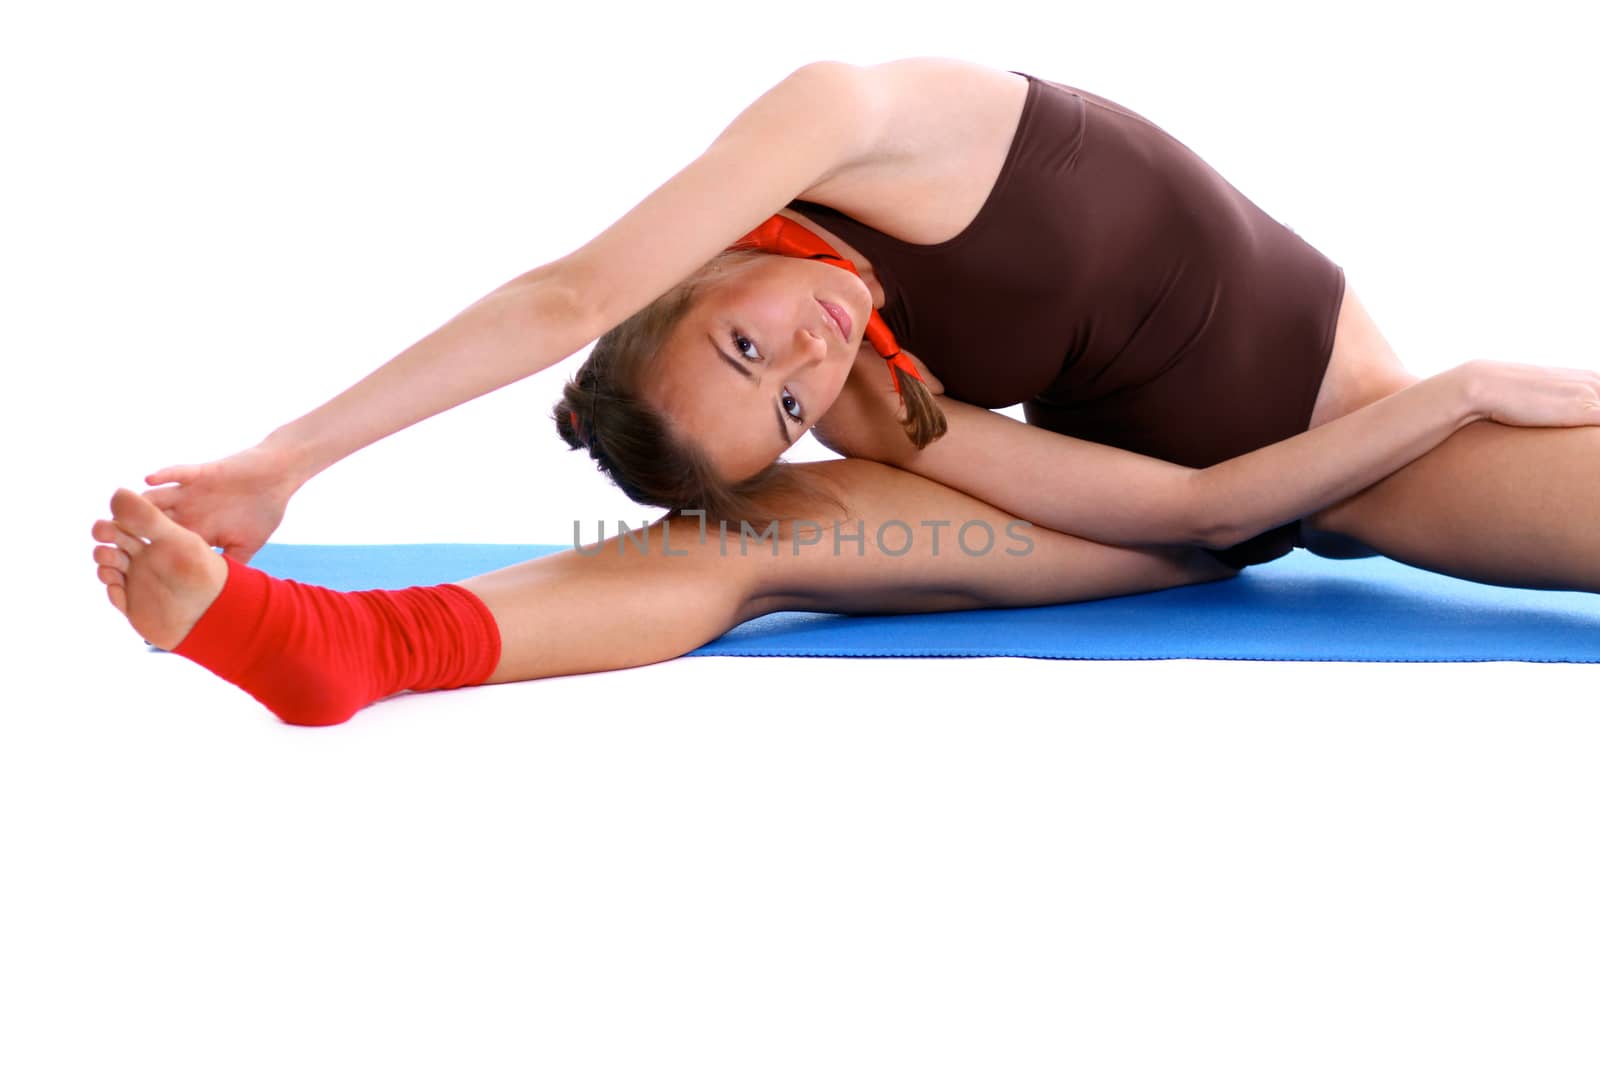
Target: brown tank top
1107	255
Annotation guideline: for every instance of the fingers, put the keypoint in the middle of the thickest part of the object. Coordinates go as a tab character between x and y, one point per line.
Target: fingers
166	500
163	498
173	501
178	473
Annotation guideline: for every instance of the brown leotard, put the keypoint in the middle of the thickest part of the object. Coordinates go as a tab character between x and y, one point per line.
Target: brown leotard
1122	291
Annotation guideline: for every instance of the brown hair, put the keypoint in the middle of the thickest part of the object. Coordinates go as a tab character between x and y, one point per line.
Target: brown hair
635	445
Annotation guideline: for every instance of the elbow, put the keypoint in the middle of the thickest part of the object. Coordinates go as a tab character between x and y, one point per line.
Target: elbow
559	291
560	301
1207	530
1208	524
1216	534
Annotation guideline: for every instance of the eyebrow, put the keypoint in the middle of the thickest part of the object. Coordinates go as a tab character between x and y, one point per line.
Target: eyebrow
783	431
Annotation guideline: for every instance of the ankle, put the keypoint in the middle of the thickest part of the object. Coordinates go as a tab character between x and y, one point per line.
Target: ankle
316	656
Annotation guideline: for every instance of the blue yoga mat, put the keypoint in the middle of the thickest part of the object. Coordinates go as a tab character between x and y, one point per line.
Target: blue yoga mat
1299	607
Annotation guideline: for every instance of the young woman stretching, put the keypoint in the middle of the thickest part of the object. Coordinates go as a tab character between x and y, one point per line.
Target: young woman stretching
1202	390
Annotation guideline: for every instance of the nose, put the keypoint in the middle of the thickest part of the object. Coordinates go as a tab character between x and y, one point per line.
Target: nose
810	346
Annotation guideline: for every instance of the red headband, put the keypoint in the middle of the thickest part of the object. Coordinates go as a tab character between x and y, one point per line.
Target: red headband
789	238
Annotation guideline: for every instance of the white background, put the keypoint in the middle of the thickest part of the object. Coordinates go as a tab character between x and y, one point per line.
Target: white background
216	216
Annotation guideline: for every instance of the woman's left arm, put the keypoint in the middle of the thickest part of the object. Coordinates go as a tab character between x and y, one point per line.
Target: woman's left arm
1118	497
1062	483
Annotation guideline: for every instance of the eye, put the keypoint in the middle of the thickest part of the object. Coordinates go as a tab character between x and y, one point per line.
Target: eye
797	413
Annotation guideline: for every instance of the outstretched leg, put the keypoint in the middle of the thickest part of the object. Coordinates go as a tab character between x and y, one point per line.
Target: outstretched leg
572	613
1504	505
907	544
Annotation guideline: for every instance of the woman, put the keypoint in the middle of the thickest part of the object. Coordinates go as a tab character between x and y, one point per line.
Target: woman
1205	393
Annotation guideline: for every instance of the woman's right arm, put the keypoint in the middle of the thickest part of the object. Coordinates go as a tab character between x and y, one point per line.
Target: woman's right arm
798	133
819	120
237	502
529	323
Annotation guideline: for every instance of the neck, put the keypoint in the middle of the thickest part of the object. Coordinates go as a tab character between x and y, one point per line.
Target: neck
862	265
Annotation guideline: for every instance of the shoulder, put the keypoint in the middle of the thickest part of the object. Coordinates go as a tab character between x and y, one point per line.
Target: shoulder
924	126
909	106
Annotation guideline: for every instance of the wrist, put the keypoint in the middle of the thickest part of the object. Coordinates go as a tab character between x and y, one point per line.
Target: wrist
1468	392
295	454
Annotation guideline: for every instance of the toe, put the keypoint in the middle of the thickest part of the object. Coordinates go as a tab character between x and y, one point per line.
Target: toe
110	576
107	556
110	532
118	597
138	516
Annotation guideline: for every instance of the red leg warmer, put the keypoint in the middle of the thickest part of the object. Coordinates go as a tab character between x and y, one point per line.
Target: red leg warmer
316	656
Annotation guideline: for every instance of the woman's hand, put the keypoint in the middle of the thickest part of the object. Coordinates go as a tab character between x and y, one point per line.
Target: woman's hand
1520	394
234	503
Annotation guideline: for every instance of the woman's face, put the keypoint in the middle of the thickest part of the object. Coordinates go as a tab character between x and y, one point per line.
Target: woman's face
758	360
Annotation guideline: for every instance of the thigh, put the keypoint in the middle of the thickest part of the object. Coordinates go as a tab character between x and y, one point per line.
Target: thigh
901	544
911	544
1504	505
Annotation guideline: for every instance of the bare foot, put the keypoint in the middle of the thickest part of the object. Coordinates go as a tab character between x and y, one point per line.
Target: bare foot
161	576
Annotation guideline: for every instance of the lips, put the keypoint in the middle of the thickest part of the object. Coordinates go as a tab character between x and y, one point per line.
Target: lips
840	318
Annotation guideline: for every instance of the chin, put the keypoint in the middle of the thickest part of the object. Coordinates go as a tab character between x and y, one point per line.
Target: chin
866	294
